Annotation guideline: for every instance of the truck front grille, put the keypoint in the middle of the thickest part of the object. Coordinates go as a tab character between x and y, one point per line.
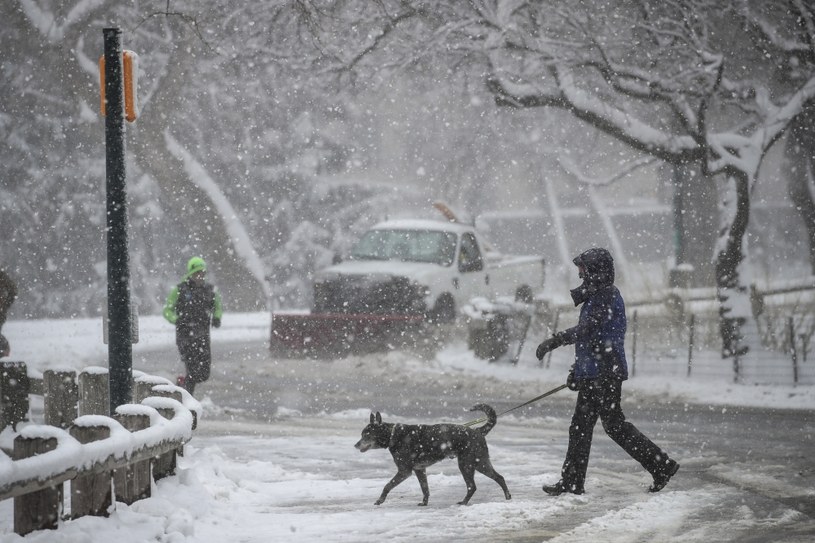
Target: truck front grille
362	295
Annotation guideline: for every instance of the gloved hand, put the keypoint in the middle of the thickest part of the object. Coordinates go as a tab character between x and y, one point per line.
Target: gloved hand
216	323
548	345
570	381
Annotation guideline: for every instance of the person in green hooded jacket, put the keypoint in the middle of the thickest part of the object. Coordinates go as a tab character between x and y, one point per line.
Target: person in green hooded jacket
193	306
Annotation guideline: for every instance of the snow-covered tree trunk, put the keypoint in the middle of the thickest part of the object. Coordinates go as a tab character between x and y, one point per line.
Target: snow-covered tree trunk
800	156
732	277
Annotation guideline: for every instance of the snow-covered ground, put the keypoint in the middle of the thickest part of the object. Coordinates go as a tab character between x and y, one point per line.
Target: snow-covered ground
300	479
53	344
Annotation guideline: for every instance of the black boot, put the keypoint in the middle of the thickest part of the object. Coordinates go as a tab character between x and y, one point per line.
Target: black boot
661	478
560	487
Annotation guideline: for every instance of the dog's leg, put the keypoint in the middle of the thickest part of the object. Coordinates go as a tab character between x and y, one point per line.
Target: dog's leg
422	476
468	472
487	469
400	476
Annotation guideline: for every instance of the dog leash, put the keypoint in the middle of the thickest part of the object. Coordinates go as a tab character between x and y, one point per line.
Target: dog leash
533	400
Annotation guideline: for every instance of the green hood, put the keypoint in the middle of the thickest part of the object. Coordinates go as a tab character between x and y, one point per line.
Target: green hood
196	264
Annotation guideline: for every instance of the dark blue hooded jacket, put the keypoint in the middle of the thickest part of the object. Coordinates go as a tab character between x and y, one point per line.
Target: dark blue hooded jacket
599	337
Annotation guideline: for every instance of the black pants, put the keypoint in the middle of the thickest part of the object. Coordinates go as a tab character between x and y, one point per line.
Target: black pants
194	348
601	398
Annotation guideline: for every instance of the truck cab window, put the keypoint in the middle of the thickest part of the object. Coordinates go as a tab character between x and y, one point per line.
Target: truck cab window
429	246
469	258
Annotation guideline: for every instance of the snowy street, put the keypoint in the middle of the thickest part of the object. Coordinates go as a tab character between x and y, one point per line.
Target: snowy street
273	458
746	473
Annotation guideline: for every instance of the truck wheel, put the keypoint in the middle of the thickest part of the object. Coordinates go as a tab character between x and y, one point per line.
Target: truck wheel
524	294
444	311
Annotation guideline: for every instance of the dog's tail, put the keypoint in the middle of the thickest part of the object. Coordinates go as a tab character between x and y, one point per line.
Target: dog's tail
492	418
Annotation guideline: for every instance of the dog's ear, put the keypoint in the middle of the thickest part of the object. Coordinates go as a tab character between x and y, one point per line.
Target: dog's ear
378	418
372	418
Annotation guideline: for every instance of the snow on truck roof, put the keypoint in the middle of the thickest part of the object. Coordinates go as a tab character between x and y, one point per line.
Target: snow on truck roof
422	224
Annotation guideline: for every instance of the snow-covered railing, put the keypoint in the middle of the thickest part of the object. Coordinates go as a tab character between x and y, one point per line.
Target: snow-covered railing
670	332
92	449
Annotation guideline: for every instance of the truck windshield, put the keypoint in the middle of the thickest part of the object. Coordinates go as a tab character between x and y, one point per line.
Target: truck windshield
407	246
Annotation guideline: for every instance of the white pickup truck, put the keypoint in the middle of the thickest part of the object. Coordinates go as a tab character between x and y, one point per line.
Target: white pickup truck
402	273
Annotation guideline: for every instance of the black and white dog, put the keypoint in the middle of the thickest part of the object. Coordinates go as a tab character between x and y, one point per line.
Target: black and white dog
415	447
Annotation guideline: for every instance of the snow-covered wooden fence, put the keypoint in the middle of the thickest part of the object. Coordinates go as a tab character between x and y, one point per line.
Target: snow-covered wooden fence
101	456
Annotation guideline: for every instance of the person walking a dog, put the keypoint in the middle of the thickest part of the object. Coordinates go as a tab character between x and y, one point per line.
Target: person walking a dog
193	306
597	374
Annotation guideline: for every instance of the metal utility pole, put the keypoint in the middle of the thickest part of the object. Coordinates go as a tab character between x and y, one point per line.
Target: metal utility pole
120	349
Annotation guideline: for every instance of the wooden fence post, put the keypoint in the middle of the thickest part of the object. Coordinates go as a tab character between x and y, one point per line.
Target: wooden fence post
793	351
164	391
142	389
14	390
132	483
90	494
94	393
736	367
164	465
38	510
61	395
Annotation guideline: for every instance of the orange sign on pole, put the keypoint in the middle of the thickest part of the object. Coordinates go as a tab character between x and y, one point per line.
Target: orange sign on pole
130	69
